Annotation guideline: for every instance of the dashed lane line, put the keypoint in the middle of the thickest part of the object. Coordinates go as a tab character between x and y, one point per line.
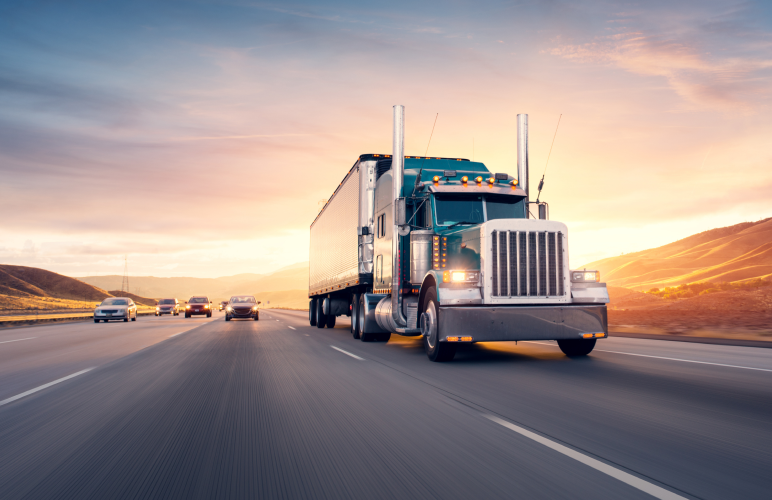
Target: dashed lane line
633	481
44	386
291	328
17	340
347	353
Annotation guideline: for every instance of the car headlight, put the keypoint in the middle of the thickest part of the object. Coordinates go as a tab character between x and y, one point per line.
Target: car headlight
585	276
206	306
460	276
157	308
229	308
254	308
187	307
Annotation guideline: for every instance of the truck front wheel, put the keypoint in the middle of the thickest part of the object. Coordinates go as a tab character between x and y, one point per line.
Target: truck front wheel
430	329
576	347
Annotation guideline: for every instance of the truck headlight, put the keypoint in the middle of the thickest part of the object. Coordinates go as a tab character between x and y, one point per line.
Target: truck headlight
585	276
460	276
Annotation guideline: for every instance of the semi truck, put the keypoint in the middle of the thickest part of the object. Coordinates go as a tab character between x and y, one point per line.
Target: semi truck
445	249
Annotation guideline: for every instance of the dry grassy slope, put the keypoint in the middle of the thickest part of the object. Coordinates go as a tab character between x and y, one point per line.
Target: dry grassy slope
144	301
22	281
735	253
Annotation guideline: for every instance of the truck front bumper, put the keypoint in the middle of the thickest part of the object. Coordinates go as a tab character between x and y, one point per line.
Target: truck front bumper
503	323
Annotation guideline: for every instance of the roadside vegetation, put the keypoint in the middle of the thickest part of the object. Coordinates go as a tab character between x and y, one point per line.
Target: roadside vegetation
687	291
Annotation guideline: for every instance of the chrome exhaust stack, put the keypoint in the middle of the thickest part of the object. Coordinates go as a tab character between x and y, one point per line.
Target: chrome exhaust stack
397	177
522	154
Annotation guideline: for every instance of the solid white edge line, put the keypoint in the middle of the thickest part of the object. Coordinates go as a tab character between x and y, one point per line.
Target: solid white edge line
186	331
626	478
292	328
668	359
348	353
689	361
36	389
17	340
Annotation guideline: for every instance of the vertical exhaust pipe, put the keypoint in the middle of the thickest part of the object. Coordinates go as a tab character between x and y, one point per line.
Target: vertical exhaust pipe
397	177
522	154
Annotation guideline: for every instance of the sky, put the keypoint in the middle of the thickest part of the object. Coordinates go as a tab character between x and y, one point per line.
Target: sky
202	138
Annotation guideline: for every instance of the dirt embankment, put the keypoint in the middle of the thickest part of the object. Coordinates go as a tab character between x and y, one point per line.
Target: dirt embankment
741	314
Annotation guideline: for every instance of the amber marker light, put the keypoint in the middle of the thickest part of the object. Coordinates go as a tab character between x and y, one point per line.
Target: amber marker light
491	181
446	276
514	184
478	180
452	339
466	339
436	179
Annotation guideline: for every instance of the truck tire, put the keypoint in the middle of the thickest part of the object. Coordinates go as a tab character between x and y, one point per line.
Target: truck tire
383	337
364	337
330	321
321	318
312	312
576	347
435	350
355	315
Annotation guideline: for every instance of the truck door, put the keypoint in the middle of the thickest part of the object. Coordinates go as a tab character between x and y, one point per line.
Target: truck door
384	227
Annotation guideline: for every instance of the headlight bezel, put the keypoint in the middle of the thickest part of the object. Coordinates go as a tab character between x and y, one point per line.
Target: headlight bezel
585	276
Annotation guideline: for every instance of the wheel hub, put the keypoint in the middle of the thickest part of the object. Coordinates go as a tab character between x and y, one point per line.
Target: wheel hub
429	325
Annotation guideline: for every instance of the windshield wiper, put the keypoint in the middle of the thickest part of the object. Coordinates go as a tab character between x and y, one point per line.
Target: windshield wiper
461	222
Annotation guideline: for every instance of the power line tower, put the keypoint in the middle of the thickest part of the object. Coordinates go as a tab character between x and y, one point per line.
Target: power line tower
125	284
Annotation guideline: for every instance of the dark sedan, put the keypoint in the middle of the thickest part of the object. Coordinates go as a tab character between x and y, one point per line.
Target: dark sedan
198	306
242	306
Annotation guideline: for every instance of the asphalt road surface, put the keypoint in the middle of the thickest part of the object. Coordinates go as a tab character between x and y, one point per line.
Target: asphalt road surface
175	408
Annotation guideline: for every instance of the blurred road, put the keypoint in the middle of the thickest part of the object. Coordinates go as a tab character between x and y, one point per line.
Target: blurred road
198	408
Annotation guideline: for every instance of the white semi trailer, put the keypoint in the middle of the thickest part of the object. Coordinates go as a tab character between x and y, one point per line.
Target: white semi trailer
445	249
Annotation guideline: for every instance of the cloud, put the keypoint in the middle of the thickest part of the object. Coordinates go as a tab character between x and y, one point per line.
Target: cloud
696	75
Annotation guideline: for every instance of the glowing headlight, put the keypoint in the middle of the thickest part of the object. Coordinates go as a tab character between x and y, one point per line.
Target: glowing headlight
254	308
157	308
187	307
585	276
229	308
460	276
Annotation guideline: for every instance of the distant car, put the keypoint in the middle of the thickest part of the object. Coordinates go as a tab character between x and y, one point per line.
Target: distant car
242	306
168	306
198	306
116	308
223	305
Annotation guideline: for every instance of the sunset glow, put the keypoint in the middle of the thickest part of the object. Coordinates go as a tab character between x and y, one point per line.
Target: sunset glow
202	139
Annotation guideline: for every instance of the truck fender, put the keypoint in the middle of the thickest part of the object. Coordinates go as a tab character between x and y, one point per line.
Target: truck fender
429	281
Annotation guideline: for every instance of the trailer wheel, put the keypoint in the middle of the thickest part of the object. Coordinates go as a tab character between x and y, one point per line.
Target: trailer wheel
321	318
576	347
355	315
364	337
430	328
312	312
330	321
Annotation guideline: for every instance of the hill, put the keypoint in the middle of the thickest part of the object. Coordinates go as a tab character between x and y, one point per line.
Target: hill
22	281
294	277
729	254
142	301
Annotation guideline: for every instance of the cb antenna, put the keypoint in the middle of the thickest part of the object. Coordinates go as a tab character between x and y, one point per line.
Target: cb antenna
418	177
541	182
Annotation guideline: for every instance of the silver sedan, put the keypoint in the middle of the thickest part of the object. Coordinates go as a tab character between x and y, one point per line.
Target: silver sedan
116	308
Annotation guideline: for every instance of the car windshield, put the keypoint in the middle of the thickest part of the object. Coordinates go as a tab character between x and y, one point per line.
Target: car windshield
199	300
243	299
166	301
115	302
453	209
505	207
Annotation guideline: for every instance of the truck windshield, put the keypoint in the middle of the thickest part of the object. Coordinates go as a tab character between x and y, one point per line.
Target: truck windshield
504	207
453	209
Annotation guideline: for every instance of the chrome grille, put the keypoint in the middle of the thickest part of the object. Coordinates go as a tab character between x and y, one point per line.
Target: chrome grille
527	264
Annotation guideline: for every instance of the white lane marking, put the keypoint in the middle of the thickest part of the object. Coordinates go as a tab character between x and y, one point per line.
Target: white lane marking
17	340
307	335
346	352
689	361
170	336
668	359
291	328
277	320
633	481
36	389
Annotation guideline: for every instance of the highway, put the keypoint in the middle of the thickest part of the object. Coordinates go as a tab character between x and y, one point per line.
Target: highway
198	408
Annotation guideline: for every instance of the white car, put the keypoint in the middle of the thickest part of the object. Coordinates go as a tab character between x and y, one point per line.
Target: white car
116	308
